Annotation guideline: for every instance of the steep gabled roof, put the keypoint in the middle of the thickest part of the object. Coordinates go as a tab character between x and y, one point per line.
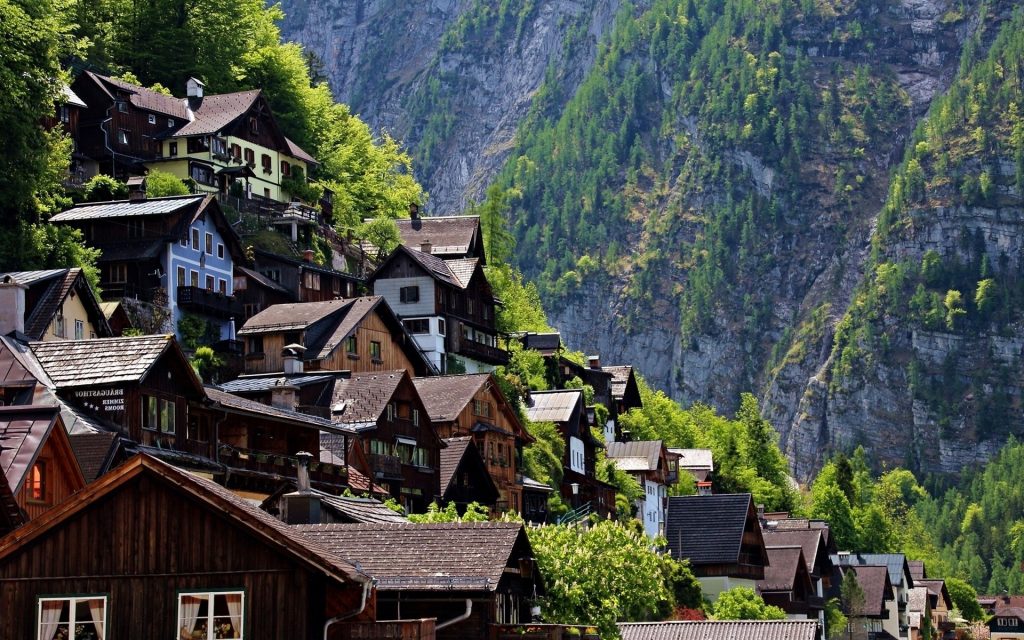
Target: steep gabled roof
708	529
462	453
896	563
444	397
620	379
262	526
361	400
938	589
94	451
218	111
447	235
51	288
23	434
463	269
720	630
639	455
291	317
296	151
106	361
810	540
554	406
142	97
466	556
785	566
874	582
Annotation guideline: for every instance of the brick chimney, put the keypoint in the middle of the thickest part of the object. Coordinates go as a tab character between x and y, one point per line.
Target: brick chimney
302	506
12	306
282	396
425	246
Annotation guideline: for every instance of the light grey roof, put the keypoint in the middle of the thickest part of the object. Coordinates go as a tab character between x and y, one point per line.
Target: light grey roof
70	97
82	363
463	269
244	405
553	406
267	383
361	509
694	458
640	455
917	599
530	483
720	630
29	277
124	208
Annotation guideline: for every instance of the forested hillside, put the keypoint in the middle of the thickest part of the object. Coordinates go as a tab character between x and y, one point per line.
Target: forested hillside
698	194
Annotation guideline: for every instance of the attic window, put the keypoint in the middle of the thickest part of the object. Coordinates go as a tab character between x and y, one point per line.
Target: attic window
122	106
170	123
152	119
350	346
254	125
37	482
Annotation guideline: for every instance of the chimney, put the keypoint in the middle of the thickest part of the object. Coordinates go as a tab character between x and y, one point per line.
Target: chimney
594	362
307	255
302	506
12	306
292	360
414	211
425	246
137	189
282	396
194	88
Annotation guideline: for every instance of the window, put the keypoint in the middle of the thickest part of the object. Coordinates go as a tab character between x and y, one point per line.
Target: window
380	448
195	239
209	283
72	618
220	250
350	346
167	415
415	417
268	166
173	146
441	327
119	272
392	411
152	118
254	125
122	136
193	278
421	457
375	350
250	157
37	482
236	152
170	123
222	286
79	330
65	114
159	414
209	244
417	325
136	227
481	408
201	174
469	306
150	413
122	106
214	615
60	325
311	280
409	294
286	169
219	146
255	344
181	277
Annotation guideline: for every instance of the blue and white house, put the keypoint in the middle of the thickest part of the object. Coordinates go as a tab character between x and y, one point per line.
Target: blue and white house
169	257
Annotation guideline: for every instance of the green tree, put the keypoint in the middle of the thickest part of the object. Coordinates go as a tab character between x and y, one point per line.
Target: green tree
986	297
835	621
743	603
964	598
830	503
160	184
474	512
382	233
954	304
851	595
102	188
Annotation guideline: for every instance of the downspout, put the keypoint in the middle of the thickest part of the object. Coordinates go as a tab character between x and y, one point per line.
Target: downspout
362	607
465	615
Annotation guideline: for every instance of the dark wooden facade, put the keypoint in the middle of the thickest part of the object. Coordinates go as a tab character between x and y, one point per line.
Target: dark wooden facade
307	281
57	470
140	537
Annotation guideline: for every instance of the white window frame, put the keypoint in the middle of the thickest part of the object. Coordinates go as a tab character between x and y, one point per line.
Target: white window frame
79	330
152	119
74	600
210	595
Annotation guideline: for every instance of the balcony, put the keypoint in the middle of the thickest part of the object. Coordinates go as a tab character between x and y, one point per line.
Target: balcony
277	464
385	467
482	352
209	303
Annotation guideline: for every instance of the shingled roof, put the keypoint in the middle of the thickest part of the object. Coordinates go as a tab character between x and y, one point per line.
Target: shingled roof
638	455
23	433
447	235
444	397
218	111
620	378
127	208
874	582
810	541
104	361
360	510
463	269
720	630
291	317
49	289
783	568
93	451
144	98
707	529
469	556
554	406
236	404
360	401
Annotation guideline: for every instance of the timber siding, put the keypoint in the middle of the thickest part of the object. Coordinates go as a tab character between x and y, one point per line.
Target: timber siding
390	289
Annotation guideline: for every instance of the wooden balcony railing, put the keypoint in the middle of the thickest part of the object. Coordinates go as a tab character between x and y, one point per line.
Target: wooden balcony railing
481	351
279	464
210	303
385	467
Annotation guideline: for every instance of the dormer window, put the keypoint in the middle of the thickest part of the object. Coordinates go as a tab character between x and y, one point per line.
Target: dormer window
122	106
152	119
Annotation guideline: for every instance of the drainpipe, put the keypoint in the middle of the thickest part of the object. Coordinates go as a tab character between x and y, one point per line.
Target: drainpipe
362	607
465	615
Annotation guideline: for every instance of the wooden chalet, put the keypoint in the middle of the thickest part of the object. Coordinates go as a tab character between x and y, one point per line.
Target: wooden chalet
580	488
176	254
393	433
720	630
447	305
56	304
37	461
940	605
899	578
468	575
447	237
787	583
305	280
117	317
654	468
721	537
149	551
474	405
97	452
625	390
814	544
878	618
256	292
360	335
1007	624
67	117
463	476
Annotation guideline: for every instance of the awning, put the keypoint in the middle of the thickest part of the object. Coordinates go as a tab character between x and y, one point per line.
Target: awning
242	171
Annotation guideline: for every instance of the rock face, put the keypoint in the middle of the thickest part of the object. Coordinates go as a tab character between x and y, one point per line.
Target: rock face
455	79
454	95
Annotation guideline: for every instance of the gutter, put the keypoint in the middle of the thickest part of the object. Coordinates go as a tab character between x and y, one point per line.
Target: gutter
447	623
362	607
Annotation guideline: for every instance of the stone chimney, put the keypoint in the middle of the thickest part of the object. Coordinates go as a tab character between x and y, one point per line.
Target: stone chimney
425	246
414	211
307	255
194	88
12	306
137	189
302	506
282	396
594	362
292	358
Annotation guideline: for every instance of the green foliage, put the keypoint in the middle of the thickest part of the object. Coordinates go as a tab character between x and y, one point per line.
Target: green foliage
964	598
542	460
206	362
25	246
606	573
835	621
382	233
101	188
474	513
161	183
521	309
743	603
196	332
